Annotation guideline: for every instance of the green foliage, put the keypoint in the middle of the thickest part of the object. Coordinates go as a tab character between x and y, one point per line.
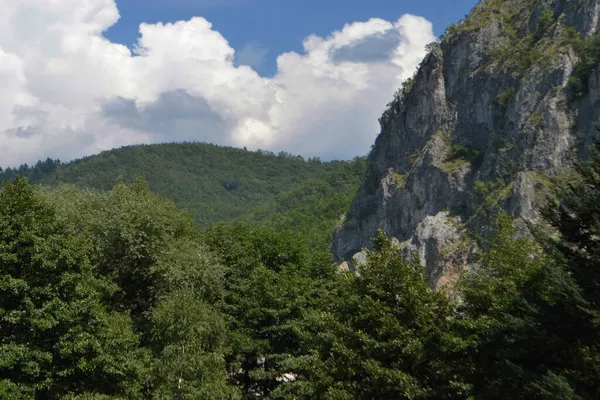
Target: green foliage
450	30
407	86
483	188
459	155
432	46
401	93
158	271
491	318
215	183
506	97
465	152
399	179
189	337
117	294
414	157
576	216
138	241
588	51
524	328
536	119
518	54
546	20
531	312
56	337
34	173
314	206
520	49
492	10
380	334
273	279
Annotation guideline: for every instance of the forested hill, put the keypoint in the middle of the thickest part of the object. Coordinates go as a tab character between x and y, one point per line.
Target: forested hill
216	183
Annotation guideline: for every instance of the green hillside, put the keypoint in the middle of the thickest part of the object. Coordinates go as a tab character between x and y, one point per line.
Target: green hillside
313	207
218	183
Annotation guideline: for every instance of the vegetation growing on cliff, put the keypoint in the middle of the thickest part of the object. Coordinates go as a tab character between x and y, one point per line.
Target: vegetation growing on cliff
588	51
460	155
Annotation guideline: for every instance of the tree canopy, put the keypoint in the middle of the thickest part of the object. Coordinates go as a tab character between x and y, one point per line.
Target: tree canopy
216	183
120	294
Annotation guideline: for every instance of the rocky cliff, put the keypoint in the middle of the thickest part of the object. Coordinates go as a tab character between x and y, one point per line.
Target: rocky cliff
499	108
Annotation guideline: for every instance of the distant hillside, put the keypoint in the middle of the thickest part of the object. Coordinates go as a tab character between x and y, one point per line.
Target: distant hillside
314	206
217	183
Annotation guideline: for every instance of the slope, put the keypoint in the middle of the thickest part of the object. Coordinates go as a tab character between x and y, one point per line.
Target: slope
502	105
313	207
214	182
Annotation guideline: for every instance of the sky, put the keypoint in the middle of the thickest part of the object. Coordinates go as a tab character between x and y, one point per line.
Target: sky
306	77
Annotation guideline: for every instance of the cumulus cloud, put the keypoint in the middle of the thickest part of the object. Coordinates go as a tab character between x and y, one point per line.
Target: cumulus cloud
252	54
69	92
379	47
174	113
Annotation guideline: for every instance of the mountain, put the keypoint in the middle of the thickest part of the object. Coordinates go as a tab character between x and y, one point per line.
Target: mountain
219	183
500	108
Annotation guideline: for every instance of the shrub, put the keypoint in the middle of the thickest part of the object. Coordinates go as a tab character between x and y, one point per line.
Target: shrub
536	119
506	97
588	51
546	20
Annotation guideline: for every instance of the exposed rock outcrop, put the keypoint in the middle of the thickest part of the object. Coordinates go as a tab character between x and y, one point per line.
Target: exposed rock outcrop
494	111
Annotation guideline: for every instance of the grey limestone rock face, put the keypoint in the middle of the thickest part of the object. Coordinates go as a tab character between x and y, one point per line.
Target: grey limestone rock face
476	130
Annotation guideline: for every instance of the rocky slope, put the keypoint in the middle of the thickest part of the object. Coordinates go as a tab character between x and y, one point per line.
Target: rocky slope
501	106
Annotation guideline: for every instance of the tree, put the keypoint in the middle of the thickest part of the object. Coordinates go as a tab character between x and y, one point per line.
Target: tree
143	244
383	335
272	280
189	336
55	335
575	214
163	275
519	328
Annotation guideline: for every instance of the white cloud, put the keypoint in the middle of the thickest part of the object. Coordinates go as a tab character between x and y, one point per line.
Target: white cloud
252	54
69	92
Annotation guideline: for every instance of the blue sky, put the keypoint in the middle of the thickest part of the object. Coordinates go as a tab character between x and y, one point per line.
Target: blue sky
277	26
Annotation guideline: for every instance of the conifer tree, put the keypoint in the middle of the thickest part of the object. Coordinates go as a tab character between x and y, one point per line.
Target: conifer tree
383	335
